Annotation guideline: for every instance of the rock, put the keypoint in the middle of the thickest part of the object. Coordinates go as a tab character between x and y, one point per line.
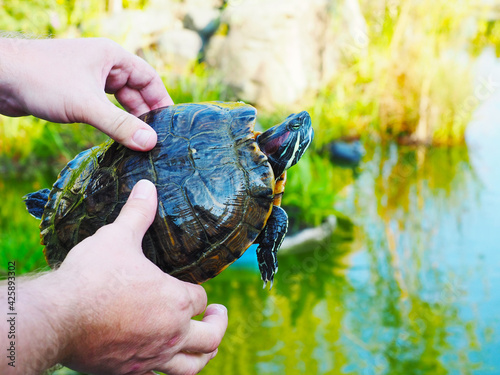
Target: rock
135	29
275	50
309	238
352	36
213	51
179	48
214	4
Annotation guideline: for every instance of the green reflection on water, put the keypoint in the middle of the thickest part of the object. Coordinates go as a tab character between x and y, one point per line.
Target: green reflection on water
395	312
19	233
386	302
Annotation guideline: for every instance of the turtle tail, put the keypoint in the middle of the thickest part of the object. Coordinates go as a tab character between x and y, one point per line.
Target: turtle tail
35	202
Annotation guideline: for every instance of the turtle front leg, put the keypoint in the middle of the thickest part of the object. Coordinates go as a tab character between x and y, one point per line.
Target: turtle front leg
269	241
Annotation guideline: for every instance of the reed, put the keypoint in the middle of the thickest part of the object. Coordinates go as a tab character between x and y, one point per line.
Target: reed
411	81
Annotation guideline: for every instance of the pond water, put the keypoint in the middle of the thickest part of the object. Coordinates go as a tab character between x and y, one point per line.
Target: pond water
417	290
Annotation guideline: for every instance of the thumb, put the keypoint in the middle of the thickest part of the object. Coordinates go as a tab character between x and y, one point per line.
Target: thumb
139	212
122	126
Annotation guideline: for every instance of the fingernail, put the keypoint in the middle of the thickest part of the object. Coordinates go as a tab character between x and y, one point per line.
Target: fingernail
142	137
142	190
221	308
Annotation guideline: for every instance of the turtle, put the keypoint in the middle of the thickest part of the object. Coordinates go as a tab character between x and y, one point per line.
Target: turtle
219	186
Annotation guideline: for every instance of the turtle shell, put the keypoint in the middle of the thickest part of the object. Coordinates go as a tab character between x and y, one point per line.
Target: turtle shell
215	190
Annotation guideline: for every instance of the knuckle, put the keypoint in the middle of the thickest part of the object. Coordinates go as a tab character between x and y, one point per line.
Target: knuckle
174	340
213	342
199	294
184	302
119	125
105	231
107	45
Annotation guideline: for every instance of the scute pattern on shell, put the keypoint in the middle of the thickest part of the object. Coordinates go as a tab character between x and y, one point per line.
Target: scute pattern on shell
215	190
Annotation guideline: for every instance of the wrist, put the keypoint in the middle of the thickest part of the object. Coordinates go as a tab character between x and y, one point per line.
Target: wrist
48	316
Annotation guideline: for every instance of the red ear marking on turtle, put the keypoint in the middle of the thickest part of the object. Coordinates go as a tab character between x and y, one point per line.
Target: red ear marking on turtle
273	145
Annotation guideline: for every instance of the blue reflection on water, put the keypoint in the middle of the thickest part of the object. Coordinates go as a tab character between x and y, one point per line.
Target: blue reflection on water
421	292
462	247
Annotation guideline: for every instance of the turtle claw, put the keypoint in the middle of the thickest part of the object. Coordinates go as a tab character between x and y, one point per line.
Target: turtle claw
268	269
265	283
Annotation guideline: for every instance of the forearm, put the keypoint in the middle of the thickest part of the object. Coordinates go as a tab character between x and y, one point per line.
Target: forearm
10	51
36	332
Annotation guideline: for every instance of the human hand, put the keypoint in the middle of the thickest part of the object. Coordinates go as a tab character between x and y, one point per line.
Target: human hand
65	80
111	311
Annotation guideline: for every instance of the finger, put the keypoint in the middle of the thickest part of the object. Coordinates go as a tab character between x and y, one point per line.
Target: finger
133	74
187	363
138	100
138	213
123	127
205	336
132	101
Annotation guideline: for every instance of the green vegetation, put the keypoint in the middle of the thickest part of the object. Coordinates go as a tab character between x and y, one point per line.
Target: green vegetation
201	84
42	18
393	312
389	302
385	310
19	233
397	82
488	32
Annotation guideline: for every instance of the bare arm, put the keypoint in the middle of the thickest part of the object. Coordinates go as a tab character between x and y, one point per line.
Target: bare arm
109	310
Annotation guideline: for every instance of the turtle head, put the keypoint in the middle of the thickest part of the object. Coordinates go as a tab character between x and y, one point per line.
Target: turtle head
285	143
